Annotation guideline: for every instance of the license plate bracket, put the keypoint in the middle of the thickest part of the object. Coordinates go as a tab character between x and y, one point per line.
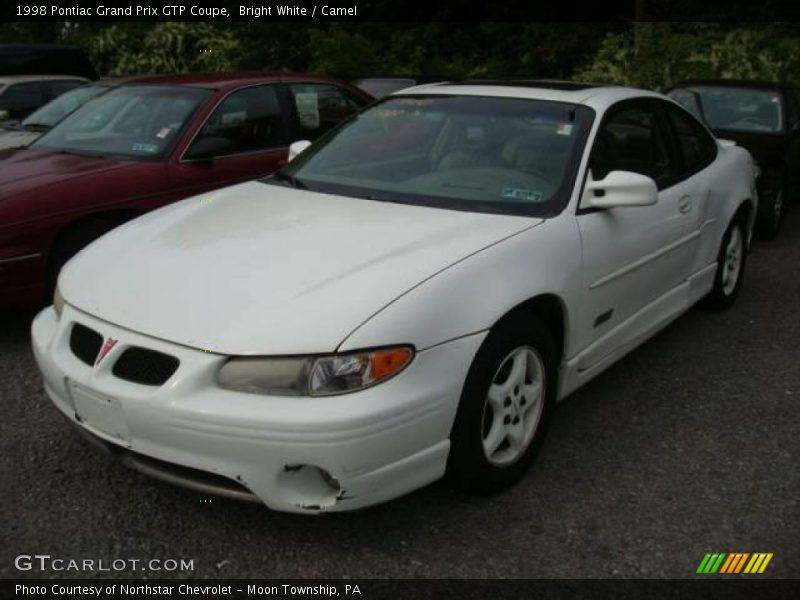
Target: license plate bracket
99	411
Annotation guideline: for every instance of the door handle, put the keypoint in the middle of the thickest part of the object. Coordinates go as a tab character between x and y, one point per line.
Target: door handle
685	204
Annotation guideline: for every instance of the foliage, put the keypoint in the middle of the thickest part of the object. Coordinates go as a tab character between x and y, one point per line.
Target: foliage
657	55
650	55
166	47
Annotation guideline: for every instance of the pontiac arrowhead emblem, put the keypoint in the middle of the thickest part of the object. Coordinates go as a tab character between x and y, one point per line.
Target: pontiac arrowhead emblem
107	346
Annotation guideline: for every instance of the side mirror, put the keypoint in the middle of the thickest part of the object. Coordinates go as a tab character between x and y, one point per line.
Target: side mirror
209	147
4	114
297	147
621	188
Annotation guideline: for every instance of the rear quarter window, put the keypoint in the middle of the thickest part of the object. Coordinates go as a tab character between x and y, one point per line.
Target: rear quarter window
698	148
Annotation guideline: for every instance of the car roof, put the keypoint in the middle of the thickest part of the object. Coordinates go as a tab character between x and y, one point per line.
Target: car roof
226	80
747	83
7	79
597	96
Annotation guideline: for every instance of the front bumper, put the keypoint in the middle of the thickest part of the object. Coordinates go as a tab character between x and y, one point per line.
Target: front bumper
294	454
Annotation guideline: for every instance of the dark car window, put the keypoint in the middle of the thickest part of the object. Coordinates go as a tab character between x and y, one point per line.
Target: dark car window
698	148
57	87
20	99
318	107
632	138
247	120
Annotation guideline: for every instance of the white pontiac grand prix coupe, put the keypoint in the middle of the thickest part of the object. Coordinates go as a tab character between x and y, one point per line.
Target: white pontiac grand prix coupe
405	300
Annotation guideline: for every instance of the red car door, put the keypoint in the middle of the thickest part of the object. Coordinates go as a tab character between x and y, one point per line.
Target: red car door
245	137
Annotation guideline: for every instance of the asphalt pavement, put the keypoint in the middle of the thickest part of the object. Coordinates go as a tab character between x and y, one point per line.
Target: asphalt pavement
688	445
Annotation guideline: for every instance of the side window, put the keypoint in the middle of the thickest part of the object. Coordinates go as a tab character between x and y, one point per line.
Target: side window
247	120
319	107
58	87
632	139
697	146
22	98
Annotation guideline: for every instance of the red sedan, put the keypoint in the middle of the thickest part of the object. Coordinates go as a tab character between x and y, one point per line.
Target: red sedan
143	145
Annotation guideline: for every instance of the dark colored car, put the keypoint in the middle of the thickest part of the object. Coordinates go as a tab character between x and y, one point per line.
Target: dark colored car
44	59
141	146
764	118
379	87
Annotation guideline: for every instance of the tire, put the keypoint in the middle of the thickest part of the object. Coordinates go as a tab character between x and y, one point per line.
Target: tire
771	212
514	421
68	245
731	261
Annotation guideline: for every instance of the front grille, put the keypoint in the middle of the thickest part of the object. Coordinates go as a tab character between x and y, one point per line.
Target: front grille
85	343
147	367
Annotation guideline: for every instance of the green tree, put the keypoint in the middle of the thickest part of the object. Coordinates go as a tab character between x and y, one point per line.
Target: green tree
658	55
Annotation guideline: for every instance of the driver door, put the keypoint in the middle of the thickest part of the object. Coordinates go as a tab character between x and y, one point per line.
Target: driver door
250	127
634	258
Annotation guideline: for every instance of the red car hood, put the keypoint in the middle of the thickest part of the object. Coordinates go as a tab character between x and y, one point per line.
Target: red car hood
23	170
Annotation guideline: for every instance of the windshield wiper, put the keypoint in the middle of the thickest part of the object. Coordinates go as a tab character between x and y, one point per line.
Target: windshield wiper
290	179
36	126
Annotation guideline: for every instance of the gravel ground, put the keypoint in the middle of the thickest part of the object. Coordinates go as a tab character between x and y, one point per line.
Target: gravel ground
688	445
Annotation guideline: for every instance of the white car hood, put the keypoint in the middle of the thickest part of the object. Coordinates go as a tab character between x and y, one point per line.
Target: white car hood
17	139
263	269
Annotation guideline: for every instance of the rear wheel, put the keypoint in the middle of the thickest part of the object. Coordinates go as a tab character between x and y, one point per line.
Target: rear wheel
771	212
504	408
730	266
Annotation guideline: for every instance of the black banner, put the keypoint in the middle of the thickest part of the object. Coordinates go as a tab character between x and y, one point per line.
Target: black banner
711	588
322	11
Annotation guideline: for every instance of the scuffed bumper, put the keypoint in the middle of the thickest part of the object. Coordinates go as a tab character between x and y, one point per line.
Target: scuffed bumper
294	454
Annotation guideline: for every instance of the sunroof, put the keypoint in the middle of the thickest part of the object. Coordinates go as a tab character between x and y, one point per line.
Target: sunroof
532	83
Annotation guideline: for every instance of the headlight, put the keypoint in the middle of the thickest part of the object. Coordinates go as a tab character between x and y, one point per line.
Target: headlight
58	302
314	376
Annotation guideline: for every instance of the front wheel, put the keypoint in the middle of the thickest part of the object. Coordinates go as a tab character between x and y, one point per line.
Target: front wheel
504	406
730	266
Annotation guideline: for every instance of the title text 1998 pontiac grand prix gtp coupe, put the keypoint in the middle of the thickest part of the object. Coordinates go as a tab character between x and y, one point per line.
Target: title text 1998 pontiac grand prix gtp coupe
407	298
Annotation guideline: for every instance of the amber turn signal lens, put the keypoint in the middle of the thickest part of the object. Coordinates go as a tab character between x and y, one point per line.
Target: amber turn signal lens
384	363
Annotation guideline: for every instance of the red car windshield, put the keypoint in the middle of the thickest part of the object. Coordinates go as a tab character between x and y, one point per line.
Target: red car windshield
136	122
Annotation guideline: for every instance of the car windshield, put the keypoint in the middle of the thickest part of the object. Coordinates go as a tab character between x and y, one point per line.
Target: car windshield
733	108
52	112
133	121
466	152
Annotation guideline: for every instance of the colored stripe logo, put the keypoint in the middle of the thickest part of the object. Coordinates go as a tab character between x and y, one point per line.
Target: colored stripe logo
734	562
